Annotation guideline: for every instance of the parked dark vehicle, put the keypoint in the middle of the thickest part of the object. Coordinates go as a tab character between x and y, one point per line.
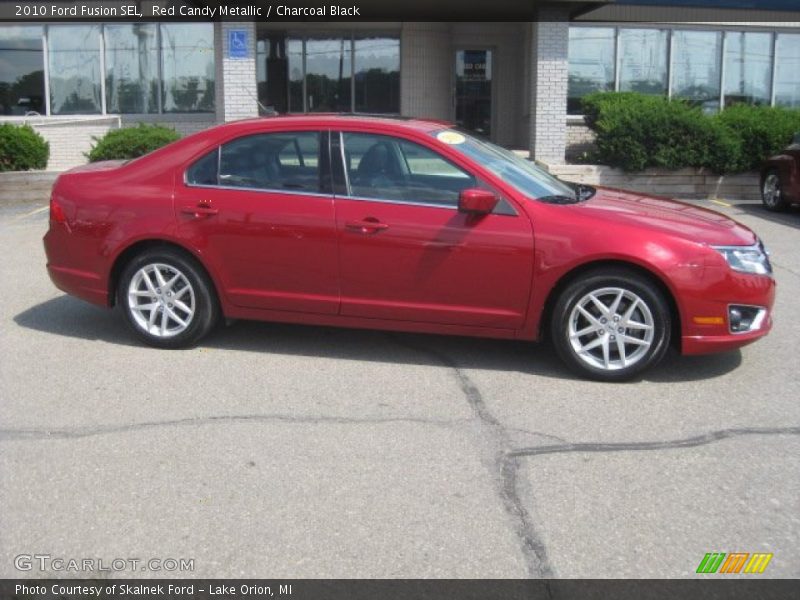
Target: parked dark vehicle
780	178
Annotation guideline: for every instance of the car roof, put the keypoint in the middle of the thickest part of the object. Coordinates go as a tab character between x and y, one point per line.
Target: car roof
338	119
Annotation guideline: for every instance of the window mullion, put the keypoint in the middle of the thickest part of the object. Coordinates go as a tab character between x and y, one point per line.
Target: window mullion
103	69
46	54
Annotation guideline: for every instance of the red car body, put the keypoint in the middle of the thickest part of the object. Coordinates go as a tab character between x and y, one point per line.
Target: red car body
334	260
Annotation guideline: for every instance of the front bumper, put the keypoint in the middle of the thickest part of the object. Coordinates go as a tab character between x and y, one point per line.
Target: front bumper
728	288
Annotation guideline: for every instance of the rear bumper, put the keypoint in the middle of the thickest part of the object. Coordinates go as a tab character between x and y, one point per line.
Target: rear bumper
83	284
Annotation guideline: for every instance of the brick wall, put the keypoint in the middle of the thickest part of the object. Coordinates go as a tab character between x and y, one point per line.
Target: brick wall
426	70
549	52
580	138
236	92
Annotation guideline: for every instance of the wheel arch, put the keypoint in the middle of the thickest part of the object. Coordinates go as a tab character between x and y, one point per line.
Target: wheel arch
139	246
574	273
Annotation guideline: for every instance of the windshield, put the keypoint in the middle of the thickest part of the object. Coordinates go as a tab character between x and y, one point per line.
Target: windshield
524	175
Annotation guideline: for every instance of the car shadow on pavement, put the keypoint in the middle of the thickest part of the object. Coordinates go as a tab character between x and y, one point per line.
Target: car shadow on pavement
790	217
70	317
66	316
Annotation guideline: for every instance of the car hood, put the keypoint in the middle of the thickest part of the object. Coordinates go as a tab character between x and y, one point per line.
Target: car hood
667	216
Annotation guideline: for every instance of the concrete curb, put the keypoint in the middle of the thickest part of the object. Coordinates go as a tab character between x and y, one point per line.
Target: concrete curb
26	186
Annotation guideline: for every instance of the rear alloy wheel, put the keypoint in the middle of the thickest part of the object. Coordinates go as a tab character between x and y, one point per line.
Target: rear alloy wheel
167	299
772	193
611	325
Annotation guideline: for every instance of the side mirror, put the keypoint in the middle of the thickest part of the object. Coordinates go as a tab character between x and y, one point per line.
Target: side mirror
476	201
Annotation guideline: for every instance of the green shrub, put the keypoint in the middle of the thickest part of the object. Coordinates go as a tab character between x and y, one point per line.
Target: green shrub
636	131
759	131
22	148
131	142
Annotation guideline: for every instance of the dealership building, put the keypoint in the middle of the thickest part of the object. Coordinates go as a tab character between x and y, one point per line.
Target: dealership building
518	83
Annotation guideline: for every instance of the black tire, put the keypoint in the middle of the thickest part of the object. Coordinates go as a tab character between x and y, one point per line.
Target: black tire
772	196
615	363
169	262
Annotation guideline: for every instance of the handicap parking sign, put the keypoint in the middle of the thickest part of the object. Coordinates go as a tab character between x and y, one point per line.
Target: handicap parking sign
237	43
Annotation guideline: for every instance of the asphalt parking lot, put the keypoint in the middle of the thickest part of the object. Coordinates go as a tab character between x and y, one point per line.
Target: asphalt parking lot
290	451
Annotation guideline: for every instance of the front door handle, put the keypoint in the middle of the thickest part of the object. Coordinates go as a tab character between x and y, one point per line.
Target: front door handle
367	225
200	211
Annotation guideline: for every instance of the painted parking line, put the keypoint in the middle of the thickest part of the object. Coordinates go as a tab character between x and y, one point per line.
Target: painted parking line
35	211
721	203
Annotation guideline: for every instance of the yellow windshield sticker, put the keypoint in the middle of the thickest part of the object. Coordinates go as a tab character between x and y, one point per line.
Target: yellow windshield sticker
451	137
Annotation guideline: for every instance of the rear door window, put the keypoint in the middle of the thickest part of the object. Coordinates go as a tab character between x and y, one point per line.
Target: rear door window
284	161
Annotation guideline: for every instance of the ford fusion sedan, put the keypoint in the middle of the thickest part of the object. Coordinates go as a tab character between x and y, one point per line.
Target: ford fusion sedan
403	225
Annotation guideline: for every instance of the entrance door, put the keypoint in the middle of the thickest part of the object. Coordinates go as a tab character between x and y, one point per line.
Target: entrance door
473	92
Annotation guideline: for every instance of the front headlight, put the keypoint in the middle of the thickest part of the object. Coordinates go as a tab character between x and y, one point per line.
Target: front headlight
747	259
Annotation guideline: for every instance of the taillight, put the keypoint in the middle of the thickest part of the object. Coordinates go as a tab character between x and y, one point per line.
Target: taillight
56	212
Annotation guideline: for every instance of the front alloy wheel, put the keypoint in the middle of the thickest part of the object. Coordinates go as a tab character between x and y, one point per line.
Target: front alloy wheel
772	193
611	325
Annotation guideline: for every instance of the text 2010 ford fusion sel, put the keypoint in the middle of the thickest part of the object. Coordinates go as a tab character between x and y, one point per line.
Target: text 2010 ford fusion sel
403	225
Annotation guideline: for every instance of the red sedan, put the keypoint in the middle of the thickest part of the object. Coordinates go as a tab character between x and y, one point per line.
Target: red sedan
404	225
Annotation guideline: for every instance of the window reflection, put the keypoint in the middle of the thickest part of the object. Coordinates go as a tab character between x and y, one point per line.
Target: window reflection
643	61
787	70
328	73
377	75
131	68
21	70
74	63
294	54
591	64
187	54
748	66
696	67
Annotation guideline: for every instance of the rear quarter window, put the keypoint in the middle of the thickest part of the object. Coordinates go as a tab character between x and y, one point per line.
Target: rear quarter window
204	170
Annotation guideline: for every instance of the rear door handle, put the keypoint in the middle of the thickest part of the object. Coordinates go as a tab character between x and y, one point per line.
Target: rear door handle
368	225
199	212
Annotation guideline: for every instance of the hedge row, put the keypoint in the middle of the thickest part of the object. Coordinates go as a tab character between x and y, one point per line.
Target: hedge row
131	142
636	131
22	148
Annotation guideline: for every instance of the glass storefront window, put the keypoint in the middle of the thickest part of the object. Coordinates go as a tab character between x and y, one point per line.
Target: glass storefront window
74	66
328	71
643	61
787	70
377	74
131	68
696	67
21	71
591	64
748	68
187	58
294	55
